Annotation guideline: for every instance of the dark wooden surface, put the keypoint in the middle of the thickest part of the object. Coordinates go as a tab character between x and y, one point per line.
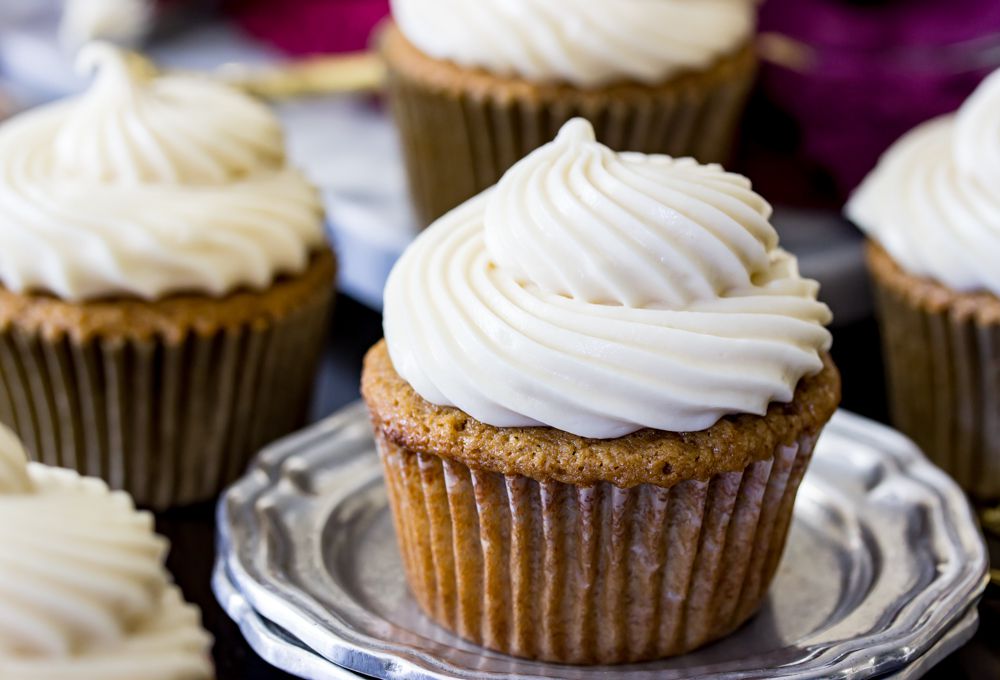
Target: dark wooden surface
355	328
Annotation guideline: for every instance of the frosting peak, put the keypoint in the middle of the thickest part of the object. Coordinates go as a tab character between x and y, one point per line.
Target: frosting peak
600	293
115	69
588	43
932	200
148	185
628	225
135	127
83	591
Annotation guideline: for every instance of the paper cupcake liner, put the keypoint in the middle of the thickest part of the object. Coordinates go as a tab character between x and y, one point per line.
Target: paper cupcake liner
942	360
459	138
589	574
171	420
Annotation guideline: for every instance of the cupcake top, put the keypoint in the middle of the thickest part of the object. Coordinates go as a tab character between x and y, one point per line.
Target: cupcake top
587	43
600	293
933	200
83	591
148	185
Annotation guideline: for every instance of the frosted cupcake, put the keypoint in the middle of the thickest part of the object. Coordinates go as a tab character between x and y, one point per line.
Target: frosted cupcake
931	210
83	591
164	281
600	385
477	84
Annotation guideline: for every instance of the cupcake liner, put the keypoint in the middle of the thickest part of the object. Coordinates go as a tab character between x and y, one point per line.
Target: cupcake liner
171	418
942	355
589	574
460	135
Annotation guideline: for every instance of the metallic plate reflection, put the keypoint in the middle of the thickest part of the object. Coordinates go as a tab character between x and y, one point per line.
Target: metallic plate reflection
882	571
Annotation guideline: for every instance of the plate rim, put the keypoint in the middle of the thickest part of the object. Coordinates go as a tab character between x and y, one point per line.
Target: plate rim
364	654
312	666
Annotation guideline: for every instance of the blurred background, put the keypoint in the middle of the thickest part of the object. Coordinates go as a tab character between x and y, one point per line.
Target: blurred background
840	81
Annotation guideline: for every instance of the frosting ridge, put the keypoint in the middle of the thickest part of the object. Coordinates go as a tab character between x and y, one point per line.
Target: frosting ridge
601	293
148	185
931	200
83	590
588	43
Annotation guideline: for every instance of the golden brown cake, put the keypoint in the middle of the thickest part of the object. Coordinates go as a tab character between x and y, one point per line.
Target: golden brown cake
600	386
643	457
165	283
462	126
542	544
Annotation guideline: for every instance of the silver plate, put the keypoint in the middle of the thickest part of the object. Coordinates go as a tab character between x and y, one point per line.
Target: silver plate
276	646
884	562
280	648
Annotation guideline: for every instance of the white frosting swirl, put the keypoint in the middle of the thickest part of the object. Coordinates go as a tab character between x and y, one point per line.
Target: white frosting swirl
83	591
588	43
147	186
933	200
601	293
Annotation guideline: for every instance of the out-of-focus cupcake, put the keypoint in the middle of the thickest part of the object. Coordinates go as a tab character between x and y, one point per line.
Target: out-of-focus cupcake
477	84
164	281
83	591
931	210
600	386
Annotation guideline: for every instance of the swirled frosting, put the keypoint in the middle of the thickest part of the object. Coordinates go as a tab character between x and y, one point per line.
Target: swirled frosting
150	185
584	42
83	591
601	293
933	200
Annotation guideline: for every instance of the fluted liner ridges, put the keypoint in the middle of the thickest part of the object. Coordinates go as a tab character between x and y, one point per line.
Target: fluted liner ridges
943	379
170	421
457	143
590	574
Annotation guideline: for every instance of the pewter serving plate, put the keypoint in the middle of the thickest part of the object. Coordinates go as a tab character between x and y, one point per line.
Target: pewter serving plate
881	574
281	649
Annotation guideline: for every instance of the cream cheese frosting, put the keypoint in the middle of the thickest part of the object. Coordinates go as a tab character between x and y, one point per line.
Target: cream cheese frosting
83	591
148	185
601	293
933	200
587	43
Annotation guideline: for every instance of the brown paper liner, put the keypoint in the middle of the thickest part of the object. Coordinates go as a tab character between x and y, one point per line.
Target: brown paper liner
171	416
462	129
942	355
589	574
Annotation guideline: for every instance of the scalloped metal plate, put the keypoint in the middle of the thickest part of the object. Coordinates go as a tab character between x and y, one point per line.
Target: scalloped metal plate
882	569
282	650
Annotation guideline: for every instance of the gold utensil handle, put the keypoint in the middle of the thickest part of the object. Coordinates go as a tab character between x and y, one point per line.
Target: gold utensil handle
785	51
334	74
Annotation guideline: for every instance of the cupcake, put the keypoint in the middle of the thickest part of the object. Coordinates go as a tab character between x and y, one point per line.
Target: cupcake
164	281
477	84
83	591
931	210
600	385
